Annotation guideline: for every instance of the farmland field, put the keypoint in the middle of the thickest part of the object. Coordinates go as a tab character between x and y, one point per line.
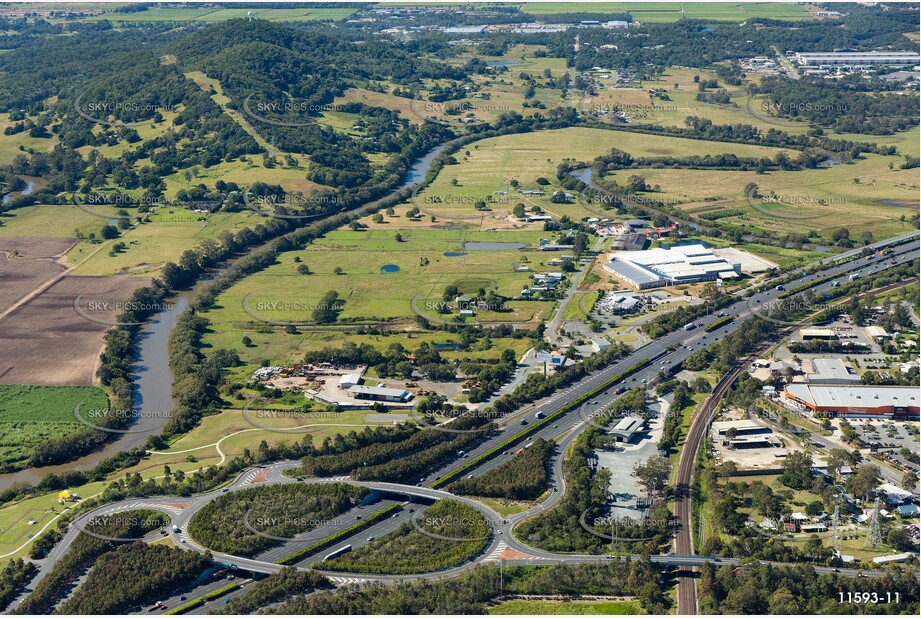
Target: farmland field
150	245
25	265
369	295
54	344
488	166
29	414
662	12
58	221
867	194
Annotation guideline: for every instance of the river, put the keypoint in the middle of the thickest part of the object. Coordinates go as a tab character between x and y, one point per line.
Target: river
153	380
29	188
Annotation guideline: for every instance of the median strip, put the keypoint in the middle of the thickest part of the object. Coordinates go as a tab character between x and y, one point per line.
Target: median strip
332	540
181	609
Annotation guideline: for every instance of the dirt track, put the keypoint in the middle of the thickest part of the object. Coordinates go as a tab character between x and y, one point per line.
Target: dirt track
26	267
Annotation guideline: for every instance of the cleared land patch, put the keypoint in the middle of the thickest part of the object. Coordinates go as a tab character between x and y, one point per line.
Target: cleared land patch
21	274
46	341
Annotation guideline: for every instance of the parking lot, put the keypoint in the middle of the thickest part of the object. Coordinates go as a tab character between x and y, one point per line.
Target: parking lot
891	437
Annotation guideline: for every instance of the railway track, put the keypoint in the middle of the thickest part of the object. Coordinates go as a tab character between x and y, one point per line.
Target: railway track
687	460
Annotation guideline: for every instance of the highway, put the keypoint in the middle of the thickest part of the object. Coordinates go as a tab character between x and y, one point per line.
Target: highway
664	354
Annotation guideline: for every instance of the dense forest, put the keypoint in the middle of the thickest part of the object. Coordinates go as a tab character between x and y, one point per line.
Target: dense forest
84	552
15	575
765	589
236	523
523	477
276	588
471	592
454	534
133	575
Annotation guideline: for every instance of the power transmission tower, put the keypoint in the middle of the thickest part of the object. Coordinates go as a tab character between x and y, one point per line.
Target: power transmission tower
875	534
835	520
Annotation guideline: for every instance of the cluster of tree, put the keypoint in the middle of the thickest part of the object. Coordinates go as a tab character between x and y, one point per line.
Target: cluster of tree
281	511
762	589
670	321
704	128
720	97
524	477
722	214
133	575
196	378
853	104
276	588
392	458
475	590
473	432
672	429
14	577
797	470
84	552
409	550
653	474
618	159
819	346
726	352
892	378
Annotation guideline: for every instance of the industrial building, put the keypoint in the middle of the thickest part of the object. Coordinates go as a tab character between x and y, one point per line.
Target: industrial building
675	266
379	393
856	400
626	428
858	59
831	371
742	428
818	333
349	380
758	441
